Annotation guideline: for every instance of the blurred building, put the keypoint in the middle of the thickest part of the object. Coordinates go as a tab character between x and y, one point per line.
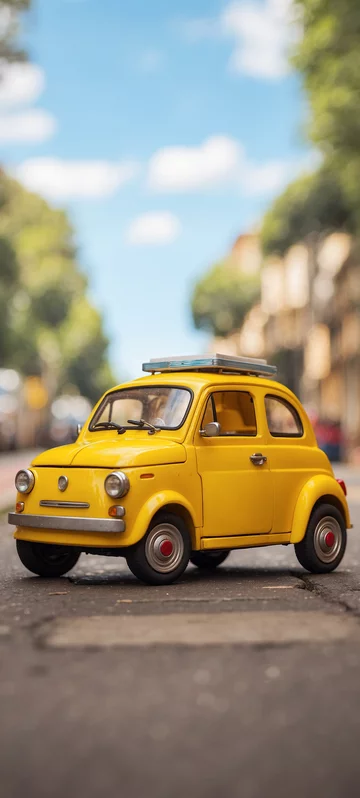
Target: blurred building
308	324
246	253
311	301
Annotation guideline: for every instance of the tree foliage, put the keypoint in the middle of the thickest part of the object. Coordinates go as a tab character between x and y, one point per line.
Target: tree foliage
48	326
222	298
313	204
328	57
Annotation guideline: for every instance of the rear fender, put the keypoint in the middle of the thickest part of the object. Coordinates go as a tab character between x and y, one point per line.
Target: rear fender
316	488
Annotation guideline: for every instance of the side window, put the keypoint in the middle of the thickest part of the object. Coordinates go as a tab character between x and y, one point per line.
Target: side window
282	418
233	410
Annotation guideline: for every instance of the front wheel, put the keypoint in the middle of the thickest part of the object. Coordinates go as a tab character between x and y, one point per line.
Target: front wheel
162	555
324	544
46	559
208	560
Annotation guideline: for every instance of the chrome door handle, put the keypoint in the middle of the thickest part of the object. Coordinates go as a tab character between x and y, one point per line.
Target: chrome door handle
258	459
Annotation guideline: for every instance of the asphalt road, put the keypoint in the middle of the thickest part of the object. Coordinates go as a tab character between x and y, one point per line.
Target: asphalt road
244	683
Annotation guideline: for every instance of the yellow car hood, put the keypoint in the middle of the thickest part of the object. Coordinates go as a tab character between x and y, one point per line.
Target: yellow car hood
119	454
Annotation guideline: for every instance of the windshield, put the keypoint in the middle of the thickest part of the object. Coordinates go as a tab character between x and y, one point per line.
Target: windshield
163	407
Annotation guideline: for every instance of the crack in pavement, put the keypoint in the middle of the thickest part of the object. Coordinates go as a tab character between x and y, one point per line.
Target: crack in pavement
331	594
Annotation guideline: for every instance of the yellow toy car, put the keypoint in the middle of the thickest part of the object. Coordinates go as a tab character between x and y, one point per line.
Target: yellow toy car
200	456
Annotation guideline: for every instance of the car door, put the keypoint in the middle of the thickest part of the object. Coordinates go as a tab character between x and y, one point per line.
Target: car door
291	455
237	485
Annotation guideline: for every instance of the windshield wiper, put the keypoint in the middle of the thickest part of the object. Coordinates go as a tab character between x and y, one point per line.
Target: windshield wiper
110	425
141	424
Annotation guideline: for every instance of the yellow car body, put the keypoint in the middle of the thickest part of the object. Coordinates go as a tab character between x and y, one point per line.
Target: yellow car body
213	483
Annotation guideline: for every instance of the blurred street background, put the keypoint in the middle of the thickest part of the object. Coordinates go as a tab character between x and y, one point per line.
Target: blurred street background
178	178
186	174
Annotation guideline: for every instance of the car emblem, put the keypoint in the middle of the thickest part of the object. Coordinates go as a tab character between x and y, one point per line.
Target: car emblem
63	483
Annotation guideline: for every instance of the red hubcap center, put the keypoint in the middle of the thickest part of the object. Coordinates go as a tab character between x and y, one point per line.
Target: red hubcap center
329	539
166	548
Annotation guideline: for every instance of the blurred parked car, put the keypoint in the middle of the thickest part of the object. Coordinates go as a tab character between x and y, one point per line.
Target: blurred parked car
330	438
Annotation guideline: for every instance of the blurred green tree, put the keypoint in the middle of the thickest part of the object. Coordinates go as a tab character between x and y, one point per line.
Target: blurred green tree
48	326
222	298
328	56
314	204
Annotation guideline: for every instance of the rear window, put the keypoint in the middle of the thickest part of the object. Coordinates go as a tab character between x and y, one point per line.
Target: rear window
282	418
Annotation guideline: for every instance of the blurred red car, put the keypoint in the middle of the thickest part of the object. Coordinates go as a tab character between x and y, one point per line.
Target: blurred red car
330	438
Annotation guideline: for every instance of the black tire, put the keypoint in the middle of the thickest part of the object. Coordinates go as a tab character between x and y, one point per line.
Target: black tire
208	560
314	552
147	562
45	559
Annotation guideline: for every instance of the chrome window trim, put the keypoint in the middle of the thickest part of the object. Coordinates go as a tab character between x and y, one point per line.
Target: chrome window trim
67	524
69	505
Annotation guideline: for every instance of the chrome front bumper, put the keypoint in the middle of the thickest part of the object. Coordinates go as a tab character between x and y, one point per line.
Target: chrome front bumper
67	523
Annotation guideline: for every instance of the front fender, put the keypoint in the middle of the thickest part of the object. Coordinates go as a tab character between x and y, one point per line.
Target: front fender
312	491
153	505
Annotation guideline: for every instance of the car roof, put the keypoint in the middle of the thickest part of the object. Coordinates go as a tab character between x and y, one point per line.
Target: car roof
198	380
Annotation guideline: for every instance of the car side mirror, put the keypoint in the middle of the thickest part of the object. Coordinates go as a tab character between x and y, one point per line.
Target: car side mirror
78	429
211	430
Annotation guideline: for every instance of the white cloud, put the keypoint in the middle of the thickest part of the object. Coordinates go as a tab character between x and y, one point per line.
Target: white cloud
156	228
263	33
20	84
32	127
178	169
266	178
62	180
222	162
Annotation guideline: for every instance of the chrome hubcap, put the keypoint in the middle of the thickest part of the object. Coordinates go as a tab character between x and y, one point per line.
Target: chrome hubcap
164	548
327	539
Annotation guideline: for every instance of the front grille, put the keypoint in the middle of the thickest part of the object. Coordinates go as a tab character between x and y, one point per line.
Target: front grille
70	505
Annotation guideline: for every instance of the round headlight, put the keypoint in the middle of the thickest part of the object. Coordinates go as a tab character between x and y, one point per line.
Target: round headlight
24	481
117	484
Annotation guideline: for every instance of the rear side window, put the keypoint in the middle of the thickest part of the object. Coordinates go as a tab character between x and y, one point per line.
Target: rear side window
282	418
233	410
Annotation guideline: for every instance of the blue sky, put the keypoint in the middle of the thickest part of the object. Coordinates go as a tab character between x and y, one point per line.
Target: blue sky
165	128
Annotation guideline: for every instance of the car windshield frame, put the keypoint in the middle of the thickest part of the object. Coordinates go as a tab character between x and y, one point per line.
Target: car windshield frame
97	415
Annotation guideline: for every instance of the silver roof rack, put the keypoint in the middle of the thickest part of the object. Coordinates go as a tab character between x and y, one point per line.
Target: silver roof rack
216	362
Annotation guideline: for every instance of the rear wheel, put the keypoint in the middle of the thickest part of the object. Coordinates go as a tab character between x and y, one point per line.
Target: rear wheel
208	560
45	559
162	555
324	544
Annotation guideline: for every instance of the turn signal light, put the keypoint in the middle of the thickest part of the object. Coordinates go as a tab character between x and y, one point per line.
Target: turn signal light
116	511
19	507
342	486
